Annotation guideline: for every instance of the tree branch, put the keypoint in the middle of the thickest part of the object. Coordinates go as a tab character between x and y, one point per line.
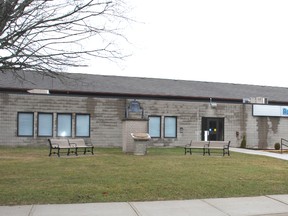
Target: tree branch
50	35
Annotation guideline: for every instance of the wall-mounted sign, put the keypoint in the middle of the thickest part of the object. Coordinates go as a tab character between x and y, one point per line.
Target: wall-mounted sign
284	111
134	106
270	110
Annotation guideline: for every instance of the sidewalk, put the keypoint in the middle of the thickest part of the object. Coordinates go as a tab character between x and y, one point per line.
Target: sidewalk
262	153
272	205
275	205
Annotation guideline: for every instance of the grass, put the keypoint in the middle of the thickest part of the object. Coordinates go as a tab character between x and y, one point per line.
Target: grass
29	176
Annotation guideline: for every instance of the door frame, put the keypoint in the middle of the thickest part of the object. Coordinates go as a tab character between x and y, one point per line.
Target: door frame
216	132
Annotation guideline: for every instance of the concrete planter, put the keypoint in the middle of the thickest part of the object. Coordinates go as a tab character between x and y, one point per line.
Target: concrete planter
140	143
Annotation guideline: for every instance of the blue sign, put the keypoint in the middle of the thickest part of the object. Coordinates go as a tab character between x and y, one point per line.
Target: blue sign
285	111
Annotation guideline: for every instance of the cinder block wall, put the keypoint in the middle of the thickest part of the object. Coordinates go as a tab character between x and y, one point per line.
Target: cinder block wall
107	116
263	132
189	118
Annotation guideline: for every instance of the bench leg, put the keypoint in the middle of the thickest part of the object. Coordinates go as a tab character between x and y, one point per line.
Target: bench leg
206	151
53	151
188	150
89	149
228	152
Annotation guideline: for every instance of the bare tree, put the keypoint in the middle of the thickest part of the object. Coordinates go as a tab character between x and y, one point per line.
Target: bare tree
49	35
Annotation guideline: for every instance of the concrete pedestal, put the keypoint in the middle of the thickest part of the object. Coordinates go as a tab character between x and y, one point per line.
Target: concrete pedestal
140	143
132	126
140	148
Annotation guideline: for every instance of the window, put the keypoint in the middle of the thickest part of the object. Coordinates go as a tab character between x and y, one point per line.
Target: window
64	125
25	123
82	125
154	126
170	127
45	124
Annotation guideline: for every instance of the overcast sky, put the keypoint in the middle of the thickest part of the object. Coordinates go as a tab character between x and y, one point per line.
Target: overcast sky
243	41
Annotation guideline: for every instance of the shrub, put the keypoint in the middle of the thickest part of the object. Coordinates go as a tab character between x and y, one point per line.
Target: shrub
243	142
277	146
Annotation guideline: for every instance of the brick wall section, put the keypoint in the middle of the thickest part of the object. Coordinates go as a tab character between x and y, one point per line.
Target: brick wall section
107	116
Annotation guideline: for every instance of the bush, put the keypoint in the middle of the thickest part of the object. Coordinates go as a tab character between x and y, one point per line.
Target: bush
277	146
243	142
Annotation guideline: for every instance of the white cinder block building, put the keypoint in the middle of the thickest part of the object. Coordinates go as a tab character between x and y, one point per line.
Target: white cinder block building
173	112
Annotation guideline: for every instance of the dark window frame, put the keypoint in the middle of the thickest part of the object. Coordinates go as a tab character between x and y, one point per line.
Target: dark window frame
160	128
89	129
38	126
18	124
176	123
57	124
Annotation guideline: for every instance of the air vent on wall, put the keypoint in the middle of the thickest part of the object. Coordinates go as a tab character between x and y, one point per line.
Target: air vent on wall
246	100
255	100
259	100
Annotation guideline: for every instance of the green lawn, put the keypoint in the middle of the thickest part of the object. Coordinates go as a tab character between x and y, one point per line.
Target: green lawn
29	176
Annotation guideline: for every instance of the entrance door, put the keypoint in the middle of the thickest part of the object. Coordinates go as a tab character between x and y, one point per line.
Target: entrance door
214	128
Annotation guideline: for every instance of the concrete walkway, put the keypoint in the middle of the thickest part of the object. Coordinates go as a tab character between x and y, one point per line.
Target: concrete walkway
262	153
274	205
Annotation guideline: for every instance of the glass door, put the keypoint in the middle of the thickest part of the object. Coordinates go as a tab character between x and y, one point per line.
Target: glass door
213	128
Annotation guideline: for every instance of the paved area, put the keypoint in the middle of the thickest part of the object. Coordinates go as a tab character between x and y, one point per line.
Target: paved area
262	153
272	205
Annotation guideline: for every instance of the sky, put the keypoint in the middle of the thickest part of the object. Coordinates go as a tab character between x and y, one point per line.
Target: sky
230	41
